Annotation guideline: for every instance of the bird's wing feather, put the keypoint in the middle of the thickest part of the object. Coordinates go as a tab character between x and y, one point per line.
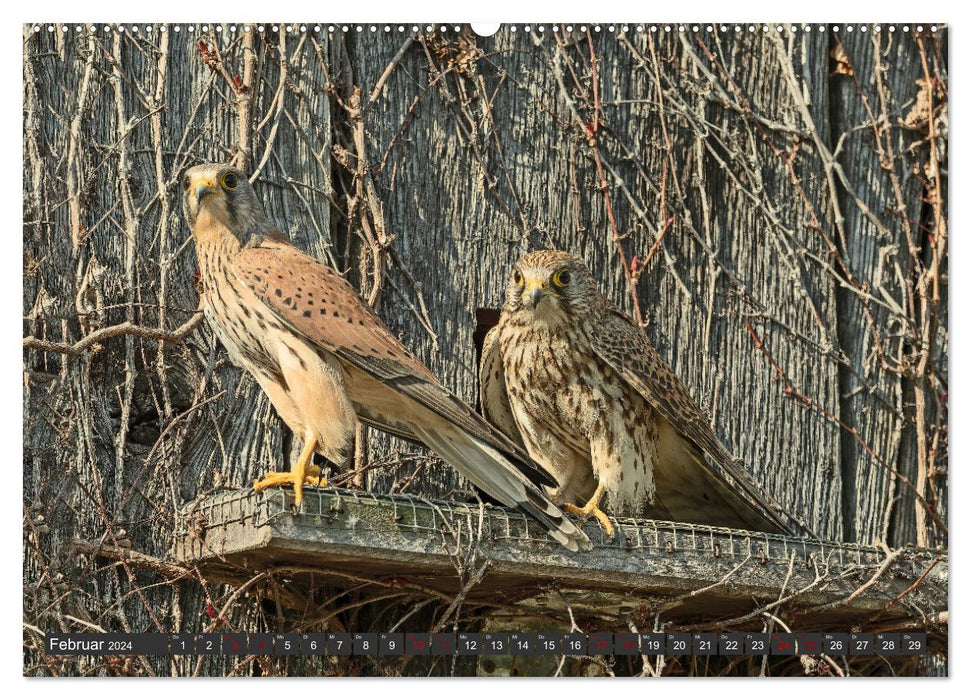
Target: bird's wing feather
493	396
625	348
314	301
458	447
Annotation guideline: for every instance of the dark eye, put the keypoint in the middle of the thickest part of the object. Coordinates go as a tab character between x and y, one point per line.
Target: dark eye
517	278
561	278
230	181
186	183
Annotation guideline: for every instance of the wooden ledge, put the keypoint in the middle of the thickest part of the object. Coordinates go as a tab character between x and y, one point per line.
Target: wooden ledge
697	574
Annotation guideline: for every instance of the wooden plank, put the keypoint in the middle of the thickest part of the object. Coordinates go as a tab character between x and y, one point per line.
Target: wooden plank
697	573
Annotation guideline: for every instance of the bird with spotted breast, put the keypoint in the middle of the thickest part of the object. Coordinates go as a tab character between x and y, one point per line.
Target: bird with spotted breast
326	361
575	382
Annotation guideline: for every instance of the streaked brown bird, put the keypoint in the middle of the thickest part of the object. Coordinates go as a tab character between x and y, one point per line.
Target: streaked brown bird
576	382
327	361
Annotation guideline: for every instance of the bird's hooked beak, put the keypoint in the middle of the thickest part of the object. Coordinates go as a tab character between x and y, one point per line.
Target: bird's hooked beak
534	293
203	187
204	195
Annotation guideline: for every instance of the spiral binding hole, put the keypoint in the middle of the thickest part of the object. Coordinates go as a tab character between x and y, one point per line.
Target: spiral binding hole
135	30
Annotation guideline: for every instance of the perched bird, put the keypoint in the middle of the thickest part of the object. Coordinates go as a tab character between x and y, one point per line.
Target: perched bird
576	382
326	361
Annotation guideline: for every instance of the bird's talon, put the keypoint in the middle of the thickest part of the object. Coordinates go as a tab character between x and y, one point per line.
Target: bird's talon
596	513
592	508
316	481
296	478
604	522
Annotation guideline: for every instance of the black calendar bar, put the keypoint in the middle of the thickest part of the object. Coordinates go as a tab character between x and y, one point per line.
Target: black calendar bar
490	644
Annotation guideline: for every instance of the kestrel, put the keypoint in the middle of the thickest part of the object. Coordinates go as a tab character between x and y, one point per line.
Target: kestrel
573	380
326	361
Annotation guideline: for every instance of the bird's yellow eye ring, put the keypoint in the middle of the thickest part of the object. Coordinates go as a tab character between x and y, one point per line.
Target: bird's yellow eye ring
517	278
230	180
561	278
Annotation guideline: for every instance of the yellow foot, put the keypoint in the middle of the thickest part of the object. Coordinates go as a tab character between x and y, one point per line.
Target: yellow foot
595	512
297	478
303	472
592	509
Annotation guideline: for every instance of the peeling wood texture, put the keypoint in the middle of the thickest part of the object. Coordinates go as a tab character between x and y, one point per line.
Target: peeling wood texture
772	204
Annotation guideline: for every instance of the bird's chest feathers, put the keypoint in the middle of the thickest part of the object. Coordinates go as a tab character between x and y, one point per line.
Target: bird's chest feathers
556	379
239	320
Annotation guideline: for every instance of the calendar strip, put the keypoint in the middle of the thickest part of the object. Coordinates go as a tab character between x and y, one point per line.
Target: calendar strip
492	644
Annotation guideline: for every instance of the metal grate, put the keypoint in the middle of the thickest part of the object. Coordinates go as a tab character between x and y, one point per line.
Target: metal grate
414	514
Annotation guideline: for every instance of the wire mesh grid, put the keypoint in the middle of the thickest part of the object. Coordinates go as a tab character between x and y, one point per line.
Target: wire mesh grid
406	513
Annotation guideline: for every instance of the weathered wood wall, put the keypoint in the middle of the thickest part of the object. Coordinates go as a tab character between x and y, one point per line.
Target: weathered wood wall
774	201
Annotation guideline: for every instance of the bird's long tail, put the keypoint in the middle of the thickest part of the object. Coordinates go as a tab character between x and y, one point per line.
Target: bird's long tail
488	469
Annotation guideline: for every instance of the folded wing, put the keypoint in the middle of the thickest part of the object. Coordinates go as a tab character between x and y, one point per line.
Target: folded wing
493	397
624	347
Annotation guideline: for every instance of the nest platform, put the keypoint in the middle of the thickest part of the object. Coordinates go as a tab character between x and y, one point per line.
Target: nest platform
694	573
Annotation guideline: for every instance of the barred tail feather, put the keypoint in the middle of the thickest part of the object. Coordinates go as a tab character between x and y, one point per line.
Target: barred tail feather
488	469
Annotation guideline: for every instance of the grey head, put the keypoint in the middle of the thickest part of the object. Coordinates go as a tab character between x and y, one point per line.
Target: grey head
223	192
